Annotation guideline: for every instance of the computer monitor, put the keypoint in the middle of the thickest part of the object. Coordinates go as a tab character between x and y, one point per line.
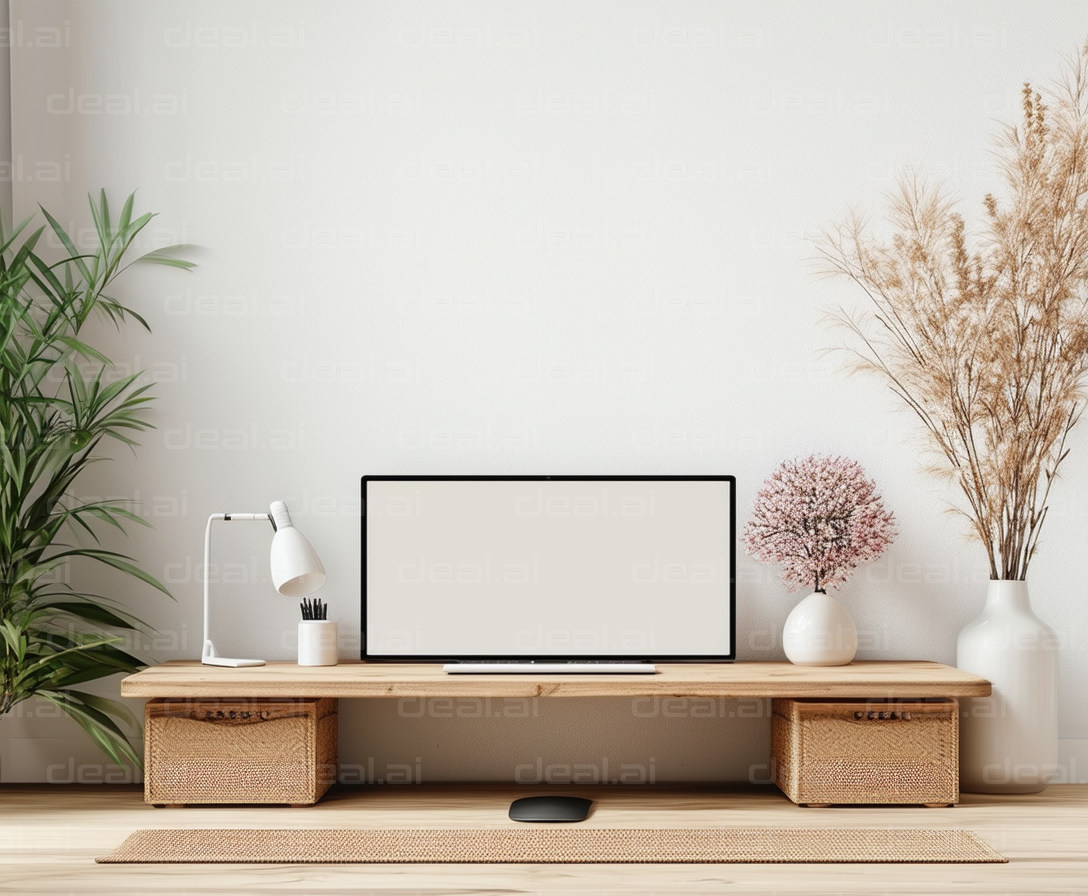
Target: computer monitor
548	568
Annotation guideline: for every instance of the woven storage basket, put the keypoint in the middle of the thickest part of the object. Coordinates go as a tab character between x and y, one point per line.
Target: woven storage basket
866	752
239	750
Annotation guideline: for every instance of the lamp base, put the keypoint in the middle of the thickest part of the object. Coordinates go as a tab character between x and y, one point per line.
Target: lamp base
227	661
208	657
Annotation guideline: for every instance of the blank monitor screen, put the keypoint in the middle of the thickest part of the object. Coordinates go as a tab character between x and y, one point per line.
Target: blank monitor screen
548	567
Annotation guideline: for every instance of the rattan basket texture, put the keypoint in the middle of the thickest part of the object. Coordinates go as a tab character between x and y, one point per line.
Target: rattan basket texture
240	750
868	752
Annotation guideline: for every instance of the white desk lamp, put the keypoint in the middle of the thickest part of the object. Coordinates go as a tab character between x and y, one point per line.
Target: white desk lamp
296	569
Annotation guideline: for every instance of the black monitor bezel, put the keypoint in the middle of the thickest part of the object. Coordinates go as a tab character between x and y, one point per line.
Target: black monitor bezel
447	658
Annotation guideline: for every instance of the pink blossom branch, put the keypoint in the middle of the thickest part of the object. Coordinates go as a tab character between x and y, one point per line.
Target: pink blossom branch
818	518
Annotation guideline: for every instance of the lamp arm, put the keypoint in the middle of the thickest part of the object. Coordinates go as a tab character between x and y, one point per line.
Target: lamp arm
207	650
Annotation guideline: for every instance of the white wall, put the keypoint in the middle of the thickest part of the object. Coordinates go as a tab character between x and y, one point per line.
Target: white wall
495	237
5	118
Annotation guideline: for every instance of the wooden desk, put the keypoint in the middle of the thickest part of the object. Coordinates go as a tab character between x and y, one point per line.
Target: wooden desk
185	684
860	680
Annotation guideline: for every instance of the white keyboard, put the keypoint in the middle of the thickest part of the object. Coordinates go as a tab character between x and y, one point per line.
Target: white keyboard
601	667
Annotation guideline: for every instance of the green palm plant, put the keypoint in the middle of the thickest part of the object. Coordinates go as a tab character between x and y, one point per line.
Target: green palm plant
59	398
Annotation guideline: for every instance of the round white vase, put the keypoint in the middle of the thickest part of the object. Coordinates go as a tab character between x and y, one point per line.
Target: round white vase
1009	740
820	632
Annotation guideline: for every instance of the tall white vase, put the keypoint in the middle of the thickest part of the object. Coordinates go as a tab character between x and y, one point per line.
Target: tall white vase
1009	740
820	632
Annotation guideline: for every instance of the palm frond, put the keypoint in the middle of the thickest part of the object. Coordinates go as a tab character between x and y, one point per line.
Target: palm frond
54	415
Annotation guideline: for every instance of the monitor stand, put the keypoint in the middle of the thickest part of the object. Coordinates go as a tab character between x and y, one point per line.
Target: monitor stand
538	667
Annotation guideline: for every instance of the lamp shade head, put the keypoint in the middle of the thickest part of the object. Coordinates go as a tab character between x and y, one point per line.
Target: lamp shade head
296	568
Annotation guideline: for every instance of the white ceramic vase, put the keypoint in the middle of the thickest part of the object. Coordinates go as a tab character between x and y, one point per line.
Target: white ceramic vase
1009	740
820	632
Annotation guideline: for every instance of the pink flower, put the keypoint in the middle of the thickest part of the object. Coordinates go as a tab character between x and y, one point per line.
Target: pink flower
818	518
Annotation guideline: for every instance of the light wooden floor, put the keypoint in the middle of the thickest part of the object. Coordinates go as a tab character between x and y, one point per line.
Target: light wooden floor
49	837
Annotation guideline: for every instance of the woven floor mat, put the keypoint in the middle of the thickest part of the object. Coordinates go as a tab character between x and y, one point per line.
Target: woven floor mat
551	845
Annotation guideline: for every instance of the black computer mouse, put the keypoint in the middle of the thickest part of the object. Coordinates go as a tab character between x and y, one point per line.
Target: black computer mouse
550	808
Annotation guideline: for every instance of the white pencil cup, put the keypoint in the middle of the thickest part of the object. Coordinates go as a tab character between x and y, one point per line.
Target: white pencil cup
317	643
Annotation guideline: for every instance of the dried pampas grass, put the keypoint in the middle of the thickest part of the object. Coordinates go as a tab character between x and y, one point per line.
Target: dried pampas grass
987	345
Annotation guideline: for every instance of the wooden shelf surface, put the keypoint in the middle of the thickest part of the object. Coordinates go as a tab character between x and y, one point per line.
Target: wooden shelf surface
865	680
